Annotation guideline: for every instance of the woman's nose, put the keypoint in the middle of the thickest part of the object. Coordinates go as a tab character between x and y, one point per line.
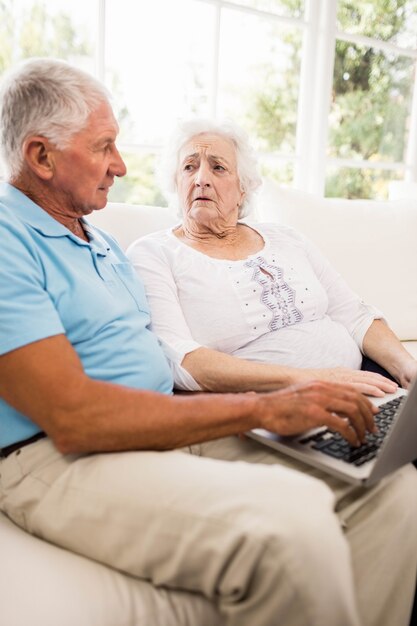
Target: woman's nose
202	177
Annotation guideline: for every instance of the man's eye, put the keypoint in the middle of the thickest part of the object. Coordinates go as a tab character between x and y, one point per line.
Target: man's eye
219	168
188	167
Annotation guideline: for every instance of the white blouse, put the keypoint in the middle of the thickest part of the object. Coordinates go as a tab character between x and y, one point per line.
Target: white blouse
284	304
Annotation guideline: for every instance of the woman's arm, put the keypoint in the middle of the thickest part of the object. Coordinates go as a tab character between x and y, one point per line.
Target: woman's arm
167	319
373	335
382	345
216	371
344	305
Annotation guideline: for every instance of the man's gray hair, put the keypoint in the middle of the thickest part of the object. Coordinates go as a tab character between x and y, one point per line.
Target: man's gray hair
247	170
46	97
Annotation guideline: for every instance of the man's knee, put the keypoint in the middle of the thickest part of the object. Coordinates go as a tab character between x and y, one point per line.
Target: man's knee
304	560
291	512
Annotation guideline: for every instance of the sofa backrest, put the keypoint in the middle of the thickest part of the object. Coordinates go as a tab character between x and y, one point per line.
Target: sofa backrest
128	222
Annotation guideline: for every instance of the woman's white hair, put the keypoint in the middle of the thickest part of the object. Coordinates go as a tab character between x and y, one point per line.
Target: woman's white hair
247	170
46	97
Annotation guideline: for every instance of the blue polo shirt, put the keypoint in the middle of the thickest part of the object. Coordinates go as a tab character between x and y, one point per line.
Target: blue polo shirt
52	282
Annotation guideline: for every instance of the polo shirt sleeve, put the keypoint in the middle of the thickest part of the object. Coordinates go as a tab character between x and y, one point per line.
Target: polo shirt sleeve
27	313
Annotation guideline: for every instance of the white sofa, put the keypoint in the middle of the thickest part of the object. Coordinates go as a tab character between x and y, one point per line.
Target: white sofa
373	245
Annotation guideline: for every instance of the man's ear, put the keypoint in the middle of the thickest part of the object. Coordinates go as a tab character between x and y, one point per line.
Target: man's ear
38	155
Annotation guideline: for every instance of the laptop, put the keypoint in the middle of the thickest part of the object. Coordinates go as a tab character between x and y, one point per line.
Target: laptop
393	446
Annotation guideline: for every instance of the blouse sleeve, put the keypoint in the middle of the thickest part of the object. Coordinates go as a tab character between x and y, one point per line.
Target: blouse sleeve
345	306
154	269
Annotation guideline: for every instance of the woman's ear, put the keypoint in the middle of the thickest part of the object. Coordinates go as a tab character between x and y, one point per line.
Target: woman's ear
38	155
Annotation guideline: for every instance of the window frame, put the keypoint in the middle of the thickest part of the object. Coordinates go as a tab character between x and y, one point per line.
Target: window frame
310	160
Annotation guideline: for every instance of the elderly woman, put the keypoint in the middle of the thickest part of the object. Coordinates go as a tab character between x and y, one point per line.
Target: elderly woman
247	306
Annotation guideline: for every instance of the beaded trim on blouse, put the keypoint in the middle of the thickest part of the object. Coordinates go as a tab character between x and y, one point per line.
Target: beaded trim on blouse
276	295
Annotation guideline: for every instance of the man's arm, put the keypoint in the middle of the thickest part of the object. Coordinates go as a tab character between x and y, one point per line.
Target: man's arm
45	381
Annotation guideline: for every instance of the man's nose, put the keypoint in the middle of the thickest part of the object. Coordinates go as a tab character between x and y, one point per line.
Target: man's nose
118	166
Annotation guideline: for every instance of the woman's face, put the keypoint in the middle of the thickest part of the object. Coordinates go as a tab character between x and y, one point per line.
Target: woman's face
207	182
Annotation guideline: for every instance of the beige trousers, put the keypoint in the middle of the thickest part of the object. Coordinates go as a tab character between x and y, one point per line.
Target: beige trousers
268	544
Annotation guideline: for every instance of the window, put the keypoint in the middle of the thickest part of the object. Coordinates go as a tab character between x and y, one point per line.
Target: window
204	58
326	89
372	97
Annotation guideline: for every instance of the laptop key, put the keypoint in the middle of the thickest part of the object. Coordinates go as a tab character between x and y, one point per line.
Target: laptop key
333	444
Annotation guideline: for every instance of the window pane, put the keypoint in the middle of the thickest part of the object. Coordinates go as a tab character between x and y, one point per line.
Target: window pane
370	111
139	185
48	28
287	8
159	64
259	82
359	183
389	20
280	171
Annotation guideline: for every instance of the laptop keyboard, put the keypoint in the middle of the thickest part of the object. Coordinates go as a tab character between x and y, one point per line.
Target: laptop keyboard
335	445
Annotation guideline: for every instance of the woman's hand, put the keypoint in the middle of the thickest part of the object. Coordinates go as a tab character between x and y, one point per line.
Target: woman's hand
369	383
296	409
407	373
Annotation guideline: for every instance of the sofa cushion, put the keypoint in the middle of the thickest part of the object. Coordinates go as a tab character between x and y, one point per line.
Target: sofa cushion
371	243
43	585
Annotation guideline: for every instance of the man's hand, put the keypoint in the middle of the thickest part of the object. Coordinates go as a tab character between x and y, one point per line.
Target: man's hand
298	408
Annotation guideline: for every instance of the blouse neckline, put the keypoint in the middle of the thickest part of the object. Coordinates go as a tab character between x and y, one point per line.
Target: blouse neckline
263	250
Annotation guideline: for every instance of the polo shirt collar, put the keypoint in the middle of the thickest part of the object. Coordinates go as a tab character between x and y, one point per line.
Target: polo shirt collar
32	214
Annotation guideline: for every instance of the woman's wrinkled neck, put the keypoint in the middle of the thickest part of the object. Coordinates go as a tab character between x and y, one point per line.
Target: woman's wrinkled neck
214	232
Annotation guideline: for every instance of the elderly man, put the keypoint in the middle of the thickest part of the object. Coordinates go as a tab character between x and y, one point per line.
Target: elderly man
98	456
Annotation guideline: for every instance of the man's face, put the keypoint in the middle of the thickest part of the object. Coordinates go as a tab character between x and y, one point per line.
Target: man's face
85	171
